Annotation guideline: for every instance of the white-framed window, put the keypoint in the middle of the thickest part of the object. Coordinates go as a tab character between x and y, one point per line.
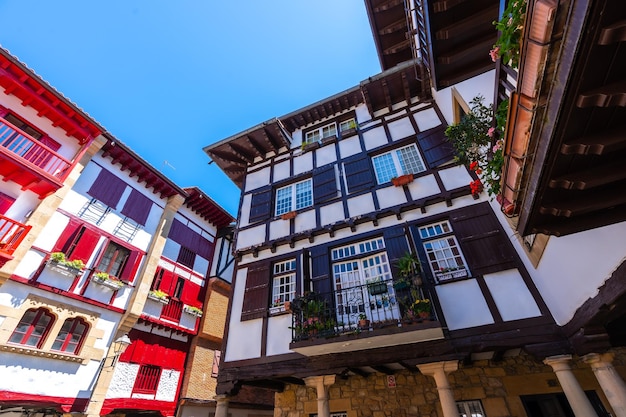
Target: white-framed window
357	248
283	282
321	132
294	197
347	125
401	161
442	250
470	408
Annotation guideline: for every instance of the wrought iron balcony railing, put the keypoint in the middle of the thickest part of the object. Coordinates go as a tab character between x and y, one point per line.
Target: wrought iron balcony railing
357	308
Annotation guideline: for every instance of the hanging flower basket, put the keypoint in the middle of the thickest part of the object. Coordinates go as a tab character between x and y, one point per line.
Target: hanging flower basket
402	180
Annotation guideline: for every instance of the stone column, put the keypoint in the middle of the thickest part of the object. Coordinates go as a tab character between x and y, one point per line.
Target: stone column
612	384
440	371
221	407
575	395
321	384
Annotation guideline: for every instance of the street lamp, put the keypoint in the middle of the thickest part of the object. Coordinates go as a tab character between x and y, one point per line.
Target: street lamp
119	346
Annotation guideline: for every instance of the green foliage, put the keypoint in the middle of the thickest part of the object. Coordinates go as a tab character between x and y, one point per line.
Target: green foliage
511	25
408	265
469	136
59	257
159	294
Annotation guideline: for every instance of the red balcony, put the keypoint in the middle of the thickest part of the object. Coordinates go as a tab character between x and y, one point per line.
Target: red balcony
11	235
29	162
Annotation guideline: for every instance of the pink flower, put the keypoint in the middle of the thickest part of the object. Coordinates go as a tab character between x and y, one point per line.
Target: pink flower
491	131
497	146
495	53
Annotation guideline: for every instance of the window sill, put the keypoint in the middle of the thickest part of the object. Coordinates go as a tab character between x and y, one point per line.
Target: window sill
24	350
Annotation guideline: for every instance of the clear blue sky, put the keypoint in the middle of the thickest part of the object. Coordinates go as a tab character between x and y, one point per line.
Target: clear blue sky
168	77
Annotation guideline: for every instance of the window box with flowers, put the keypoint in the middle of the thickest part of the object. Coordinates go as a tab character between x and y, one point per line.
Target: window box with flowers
445	274
58	263
402	180
106	280
159	296
421	309
194	311
289	215
510	28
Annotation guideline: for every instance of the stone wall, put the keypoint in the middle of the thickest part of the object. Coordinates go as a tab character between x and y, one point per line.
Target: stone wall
497	384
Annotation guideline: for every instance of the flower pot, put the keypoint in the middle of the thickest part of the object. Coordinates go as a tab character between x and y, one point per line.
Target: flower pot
63	269
402	180
289	215
424	314
364	324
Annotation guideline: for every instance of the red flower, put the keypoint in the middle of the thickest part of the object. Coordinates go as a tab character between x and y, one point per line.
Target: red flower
473	165
476	187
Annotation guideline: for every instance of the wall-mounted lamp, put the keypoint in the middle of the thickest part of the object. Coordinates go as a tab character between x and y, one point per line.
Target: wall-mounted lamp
119	347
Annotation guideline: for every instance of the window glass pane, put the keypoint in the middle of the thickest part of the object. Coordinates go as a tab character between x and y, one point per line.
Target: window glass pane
384	168
283	200
113	259
304	194
347	124
313	136
283	282
329	130
410	161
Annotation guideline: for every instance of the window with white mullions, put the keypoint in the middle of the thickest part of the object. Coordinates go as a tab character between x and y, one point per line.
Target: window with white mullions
470	409
402	161
442	250
283	282
294	197
347	125
321	132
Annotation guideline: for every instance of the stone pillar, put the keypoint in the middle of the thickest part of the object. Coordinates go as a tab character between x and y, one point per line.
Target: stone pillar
612	384
575	395
221	407
440	371
321	384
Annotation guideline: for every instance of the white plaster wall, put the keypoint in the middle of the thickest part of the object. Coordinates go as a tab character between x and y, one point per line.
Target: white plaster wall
400	129
166	391
123	380
455	177
278	335
331	213
51	231
305	221
374	138
511	295
279	228
427	119
251	237
362	204
153	308
463	304
281	170
244	214
424	187
390	196
188	321
257	179
29	264
326	155
25	201
248	331
349	146
482	84
573	267
303	163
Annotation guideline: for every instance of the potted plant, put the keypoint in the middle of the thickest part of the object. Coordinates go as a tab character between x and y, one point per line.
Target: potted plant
409	269
402	180
364	322
308	145
159	296
60	264
421	308
289	215
103	278
194	311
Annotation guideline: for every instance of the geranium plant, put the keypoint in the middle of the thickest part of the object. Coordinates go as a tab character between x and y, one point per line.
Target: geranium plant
161	295
510	26
59	258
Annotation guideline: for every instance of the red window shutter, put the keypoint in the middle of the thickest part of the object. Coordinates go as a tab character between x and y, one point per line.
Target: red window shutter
167	282
5	203
85	242
131	266
256	296
191	293
67	236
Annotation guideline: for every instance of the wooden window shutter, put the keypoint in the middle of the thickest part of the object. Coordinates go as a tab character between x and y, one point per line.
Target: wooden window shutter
485	246
256	296
358	172
320	267
5	203
436	147
67	236
261	205
83	247
137	207
191	294
324	184
107	188
131	266
396	243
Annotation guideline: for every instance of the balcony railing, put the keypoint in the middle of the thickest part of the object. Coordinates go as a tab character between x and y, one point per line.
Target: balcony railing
355	309
30	151
173	310
11	235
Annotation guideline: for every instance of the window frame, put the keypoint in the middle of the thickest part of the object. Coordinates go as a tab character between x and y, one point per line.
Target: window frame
285	269
442	231
39	313
321	132
397	164
144	378
467	412
280	208
113	261
351	124
67	339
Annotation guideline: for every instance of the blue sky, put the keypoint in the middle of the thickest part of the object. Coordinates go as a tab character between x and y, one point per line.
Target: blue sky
170	77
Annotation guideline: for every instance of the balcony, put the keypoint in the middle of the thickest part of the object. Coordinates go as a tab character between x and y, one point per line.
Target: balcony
11	235
29	162
360	317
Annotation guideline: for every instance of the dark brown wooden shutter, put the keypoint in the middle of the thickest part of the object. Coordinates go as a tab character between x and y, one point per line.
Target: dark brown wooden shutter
261	205
256	296
484	244
324	184
358	172
320	265
435	146
396	244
